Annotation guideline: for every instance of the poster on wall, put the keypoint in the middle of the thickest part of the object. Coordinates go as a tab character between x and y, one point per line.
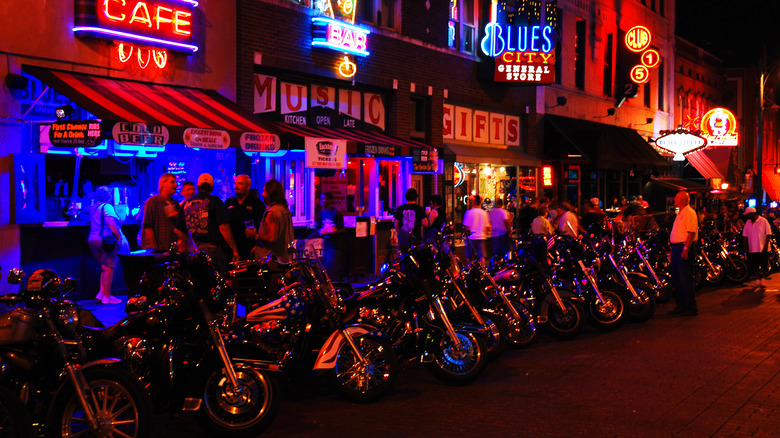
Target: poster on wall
337	187
324	153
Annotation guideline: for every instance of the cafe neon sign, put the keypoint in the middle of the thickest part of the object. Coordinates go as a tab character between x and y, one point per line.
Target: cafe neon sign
719	127
162	24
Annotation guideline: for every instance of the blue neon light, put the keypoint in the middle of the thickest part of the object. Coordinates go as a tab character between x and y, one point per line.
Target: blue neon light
500	38
751	202
340	48
99	31
320	37
326	21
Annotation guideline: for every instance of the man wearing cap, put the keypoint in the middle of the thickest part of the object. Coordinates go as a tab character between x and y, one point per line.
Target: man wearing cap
207	220
757	232
683	238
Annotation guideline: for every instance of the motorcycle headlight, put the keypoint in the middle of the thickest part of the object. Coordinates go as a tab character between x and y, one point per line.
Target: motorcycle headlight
69	317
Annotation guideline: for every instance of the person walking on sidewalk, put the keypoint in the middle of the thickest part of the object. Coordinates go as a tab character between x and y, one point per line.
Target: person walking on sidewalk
683	238
757	232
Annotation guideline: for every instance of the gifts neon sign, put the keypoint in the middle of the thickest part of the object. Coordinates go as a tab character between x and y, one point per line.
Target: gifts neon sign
340	36
166	24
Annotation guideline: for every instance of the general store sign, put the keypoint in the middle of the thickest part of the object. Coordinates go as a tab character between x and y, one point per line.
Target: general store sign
76	133
206	138
140	134
166	24
324	153
522	54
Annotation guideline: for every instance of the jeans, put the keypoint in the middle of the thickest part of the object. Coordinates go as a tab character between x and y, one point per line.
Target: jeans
682	277
500	245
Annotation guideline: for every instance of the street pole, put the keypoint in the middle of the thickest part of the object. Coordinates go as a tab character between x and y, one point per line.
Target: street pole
758	184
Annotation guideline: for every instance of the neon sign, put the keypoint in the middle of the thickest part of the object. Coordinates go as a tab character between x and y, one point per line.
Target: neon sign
680	142
125	53
521	53
719	127
547	179
340	36
166	24
638	40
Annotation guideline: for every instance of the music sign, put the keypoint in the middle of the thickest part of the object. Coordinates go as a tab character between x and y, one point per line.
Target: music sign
76	133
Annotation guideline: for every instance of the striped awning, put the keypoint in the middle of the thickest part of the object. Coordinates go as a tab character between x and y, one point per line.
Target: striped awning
711	162
293	137
176	107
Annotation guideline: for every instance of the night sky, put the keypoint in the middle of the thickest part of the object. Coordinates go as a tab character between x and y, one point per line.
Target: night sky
735	31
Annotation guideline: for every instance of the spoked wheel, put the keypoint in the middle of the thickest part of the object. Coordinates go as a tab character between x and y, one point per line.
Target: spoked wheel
496	334
459	365
715	274
520	332
564	325
118	401
245	410
738	272
365	382
15	421
610	314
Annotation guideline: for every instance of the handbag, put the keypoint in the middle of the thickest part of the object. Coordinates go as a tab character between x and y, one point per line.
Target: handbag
109	241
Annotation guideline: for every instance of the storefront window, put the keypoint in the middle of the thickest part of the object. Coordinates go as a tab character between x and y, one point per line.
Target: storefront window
490	182
389	186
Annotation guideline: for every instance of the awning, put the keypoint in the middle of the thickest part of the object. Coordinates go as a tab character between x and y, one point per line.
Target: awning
679	184
711	162
293	137
770	182
178	108
605	146
503	156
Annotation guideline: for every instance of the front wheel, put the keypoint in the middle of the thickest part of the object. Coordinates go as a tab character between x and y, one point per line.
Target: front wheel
365	382
642	307
738	272
459	365
663	292
564	325
610	314
118	401
246	410
715	274
521	331
15	421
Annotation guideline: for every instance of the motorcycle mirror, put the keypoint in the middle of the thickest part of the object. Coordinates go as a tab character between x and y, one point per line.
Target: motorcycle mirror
15	276
69	285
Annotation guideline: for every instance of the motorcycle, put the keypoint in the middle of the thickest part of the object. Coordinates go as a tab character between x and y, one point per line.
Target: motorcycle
176	340
715	251
407	304
44	363
527	275
15	420
310	315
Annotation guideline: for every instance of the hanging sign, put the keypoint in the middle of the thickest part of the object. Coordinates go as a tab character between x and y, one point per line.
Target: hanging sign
266	142
141	134
522	54
425	160
680	142
165	24
719	127
76	133
206	138
323	153
547	176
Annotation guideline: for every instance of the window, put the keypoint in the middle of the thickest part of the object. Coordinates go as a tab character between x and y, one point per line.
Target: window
647	94
381	13
462	25
579	54
652	5
661	86
418	113
296	178
608	64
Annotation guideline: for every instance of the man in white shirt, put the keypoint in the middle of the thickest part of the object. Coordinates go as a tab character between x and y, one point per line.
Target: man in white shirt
501	229
683	238
568	223
476	226
757	231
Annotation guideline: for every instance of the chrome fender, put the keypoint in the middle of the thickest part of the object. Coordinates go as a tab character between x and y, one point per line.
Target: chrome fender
326	358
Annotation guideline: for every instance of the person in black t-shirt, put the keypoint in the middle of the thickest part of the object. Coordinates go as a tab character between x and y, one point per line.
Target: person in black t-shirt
436	219
245	212
409	220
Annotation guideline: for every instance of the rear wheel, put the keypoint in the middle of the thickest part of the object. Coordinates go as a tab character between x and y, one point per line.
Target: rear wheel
738	272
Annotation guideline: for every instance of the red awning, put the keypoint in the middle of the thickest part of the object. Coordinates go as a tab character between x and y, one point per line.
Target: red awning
711	162
176	107
770	182
295	137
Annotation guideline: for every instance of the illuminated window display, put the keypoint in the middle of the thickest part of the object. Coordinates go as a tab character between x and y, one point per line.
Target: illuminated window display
490	181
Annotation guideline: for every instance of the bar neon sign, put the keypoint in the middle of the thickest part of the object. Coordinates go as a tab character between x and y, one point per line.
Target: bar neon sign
340	36
166	24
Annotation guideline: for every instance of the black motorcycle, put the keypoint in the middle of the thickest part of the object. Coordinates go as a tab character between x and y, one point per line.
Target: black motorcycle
407	304
527	275
176	339
43	362
306	328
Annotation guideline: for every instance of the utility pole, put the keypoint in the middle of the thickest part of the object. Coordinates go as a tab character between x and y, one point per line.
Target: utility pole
757	184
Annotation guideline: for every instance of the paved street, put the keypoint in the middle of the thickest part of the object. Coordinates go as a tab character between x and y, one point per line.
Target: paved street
716	374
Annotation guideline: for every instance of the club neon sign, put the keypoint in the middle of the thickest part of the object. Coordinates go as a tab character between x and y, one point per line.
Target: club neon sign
339	36
165	24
